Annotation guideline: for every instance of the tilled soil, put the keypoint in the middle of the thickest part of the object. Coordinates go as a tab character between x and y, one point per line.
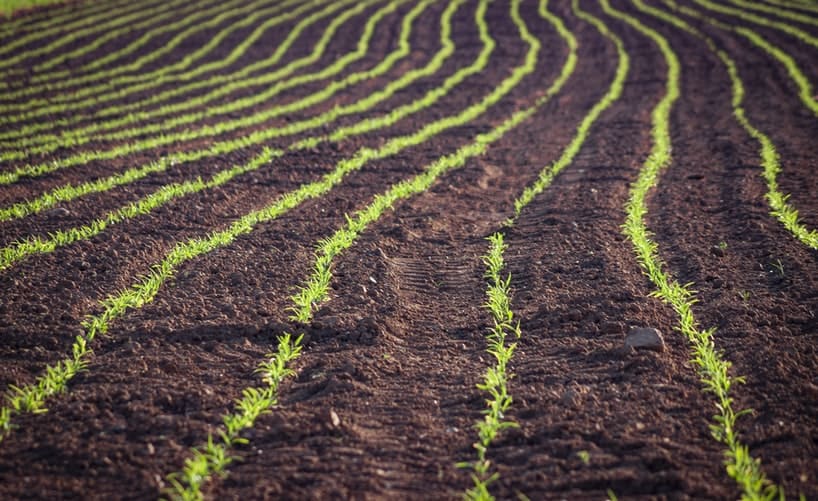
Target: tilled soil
384	399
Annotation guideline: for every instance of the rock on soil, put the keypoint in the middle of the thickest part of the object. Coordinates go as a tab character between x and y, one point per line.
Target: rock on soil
645	338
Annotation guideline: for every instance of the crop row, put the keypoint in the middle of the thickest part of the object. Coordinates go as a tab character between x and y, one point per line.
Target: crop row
165	194
91	91
213	457
108	29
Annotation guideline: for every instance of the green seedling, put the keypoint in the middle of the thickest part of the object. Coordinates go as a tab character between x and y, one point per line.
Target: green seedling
230	84
713	368
32	245
126	16
314	291
770	160
776	11
57	16
753	18
119	83
136	296
70	192
585	457
495	377
213	458
199	469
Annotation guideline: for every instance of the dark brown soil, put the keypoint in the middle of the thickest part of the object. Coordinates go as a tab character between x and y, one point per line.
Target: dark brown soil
384	399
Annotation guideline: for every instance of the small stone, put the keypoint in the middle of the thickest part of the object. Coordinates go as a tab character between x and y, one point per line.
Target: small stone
59	212
336	421
645	338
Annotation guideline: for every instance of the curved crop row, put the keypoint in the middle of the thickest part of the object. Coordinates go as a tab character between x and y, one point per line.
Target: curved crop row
200	18
794	4
45	68
79	137
210	458
768	155
213	458
118	26
713	369
786	28
223	84
794	16
770	159
80	25
498	292
107	82
32	397
218	82
71	192
82	158
805	88
9	7
314	290
44	22
38	245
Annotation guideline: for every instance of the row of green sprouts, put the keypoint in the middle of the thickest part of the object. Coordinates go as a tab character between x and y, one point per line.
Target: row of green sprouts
213	458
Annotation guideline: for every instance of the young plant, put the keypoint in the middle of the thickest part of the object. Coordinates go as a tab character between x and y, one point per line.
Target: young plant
213	458
713	369
134	297
495	379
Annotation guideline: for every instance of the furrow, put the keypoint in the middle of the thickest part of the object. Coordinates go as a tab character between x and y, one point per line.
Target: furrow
44	23
209	459
79	24
45	71
32	397
498	292
119	25
108	89
314	291
763	21
805	87
769	157
726	242
9	7
796	6
121	86
712	367
71	192
224	84
10	177
776	11
79	137
37	245
202	17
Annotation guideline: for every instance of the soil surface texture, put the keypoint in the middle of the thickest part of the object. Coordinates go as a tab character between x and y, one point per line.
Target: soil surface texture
383	400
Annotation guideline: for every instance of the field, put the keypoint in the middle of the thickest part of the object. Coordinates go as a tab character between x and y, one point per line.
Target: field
394	249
